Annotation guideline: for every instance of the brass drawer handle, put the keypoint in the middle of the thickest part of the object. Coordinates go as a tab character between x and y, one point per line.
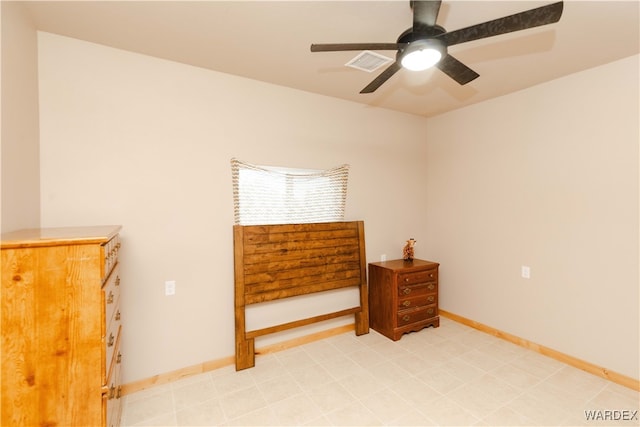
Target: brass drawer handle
431	286
407	303
406	317
406	291
111	339
431	298
112	392
118	315
119	392
430	311
431	275
110	298
118	281
406	279
119	358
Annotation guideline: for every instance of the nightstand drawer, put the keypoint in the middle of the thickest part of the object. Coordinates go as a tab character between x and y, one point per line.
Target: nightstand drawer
416	301
418	277
415	290
406	317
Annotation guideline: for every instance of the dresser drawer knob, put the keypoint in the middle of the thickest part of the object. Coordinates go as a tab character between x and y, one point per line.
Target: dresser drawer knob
430	311
118	281
110	298
431	298
431	286
406	317
406	279
111	340
407	303
406	291
118	314
431	275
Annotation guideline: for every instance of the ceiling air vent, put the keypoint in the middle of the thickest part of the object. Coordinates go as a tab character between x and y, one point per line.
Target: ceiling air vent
368	61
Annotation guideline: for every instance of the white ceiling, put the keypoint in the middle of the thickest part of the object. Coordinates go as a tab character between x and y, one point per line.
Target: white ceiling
269	41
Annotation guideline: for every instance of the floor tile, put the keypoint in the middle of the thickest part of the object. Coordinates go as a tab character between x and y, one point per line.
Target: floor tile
296	410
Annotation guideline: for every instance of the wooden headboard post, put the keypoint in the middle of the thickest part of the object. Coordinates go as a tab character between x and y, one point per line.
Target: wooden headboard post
279	261
362	316
245	348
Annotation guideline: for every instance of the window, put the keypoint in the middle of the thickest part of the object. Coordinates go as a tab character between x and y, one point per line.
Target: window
270	195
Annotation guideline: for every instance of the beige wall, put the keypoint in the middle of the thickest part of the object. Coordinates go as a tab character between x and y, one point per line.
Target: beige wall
546	177
146	143
20	192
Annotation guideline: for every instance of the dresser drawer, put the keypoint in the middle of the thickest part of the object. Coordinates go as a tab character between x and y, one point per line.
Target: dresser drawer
110	342
110	298
415	290
112	403
417	301
418	277
406	317
110	253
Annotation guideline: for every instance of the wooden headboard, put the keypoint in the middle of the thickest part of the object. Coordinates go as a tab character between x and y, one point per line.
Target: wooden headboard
280	261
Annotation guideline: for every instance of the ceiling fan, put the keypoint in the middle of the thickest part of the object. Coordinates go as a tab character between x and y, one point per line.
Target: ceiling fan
425	44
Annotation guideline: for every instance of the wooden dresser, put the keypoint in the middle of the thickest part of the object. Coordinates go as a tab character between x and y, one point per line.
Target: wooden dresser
403	296
61	327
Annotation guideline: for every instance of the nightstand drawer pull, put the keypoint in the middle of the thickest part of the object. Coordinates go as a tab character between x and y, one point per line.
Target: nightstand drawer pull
431	286
406	317
431	311
110	298
111	340
406	303
431	298
406	291
118	314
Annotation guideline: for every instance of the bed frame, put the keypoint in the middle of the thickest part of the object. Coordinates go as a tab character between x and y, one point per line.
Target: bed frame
272	262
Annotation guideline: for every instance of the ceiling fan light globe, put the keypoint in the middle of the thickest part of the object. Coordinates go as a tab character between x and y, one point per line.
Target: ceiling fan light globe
420	60
422	54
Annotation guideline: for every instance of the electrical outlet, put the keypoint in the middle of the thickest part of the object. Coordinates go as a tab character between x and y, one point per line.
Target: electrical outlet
170	287
526	272
383	257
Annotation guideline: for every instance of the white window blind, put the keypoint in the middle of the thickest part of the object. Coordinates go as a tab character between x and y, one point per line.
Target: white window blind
268	195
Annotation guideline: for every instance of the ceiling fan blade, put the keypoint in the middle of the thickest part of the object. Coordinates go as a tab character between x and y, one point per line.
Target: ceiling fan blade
383	77
425	14
336	47
456	70
520	21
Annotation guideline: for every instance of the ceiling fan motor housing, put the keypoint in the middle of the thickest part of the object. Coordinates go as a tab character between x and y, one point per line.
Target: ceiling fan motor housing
410	39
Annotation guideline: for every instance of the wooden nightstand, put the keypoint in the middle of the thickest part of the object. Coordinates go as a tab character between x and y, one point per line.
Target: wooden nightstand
403	296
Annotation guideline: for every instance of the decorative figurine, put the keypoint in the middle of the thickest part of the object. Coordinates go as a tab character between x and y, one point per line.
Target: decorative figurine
407	251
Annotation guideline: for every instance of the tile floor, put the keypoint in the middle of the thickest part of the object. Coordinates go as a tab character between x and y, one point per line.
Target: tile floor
452	375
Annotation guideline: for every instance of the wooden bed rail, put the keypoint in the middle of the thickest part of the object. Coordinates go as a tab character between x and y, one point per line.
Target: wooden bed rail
280	261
